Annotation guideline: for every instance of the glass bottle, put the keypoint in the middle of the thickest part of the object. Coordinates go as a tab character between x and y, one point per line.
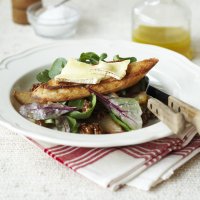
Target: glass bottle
165	23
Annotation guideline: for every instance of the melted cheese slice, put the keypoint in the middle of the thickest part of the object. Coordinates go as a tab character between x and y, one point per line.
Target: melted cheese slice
114	69
79	72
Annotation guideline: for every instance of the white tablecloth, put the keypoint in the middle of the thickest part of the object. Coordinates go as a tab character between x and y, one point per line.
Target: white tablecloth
26	172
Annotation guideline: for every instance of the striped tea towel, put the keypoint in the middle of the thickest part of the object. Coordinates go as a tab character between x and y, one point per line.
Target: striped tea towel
142	166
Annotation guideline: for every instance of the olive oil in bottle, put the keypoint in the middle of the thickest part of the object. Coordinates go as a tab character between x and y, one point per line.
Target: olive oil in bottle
164	23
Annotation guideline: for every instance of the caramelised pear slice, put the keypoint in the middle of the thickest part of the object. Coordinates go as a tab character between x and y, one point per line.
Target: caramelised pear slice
54	91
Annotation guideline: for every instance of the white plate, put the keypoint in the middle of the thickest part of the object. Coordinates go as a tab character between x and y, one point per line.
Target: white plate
176	74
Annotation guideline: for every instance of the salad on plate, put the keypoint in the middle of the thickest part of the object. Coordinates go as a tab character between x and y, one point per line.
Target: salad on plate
90	95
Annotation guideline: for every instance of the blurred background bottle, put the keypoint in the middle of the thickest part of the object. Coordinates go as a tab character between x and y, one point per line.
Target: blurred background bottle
164	23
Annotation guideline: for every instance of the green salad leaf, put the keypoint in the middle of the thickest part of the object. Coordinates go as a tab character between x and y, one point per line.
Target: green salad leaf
118	58
103	56
43	76
79	103
72	124
57	67
120	122
39	111
127	110
86	57
92	58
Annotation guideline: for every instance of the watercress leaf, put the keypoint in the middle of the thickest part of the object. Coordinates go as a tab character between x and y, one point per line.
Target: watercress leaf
126	109
43	76
94	61
103	56
57	67
84	115
38	111
118	58
132	59
121	123
72	124
89	57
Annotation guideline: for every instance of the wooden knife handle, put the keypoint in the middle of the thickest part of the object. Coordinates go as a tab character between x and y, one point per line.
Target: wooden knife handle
190	113
175	121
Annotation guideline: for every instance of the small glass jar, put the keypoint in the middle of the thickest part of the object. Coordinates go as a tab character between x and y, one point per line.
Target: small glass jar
56	22
164	23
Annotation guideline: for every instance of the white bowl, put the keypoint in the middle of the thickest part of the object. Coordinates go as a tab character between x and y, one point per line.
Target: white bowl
63	27
176	74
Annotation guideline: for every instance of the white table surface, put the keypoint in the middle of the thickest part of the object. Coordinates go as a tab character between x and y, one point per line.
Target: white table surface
26	172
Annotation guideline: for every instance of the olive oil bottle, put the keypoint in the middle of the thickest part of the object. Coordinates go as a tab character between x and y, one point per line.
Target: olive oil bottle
164	23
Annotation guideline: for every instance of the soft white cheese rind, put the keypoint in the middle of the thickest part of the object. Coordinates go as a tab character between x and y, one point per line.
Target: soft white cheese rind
79	72
114	69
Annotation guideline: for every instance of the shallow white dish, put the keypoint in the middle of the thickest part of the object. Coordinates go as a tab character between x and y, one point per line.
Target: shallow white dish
174	73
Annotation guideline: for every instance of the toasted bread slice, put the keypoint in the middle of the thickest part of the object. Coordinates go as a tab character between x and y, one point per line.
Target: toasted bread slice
54	91
23	97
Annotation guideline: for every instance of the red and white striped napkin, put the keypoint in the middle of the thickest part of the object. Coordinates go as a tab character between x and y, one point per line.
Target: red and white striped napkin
142	166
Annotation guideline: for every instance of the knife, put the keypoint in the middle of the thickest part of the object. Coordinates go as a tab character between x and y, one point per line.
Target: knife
172	111
158	94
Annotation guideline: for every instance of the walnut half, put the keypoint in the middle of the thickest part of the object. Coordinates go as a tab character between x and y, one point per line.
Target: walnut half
90	128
